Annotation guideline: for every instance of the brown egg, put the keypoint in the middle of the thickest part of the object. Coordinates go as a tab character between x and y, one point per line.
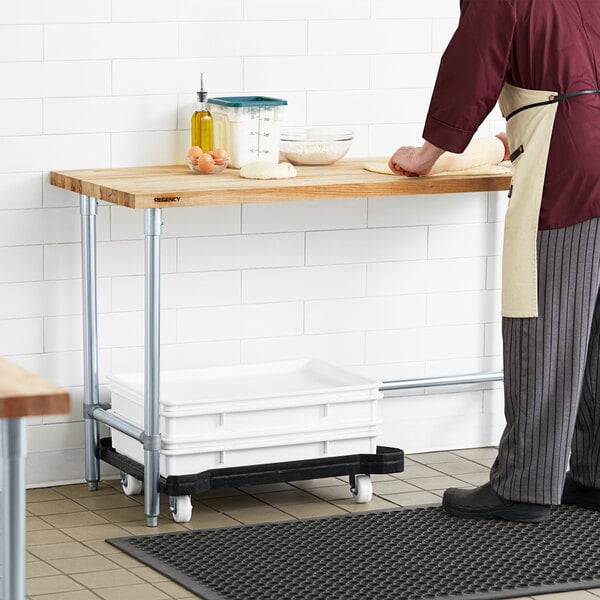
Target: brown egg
194	153
206	163
220	156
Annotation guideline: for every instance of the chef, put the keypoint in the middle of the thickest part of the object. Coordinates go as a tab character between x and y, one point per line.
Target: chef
540	59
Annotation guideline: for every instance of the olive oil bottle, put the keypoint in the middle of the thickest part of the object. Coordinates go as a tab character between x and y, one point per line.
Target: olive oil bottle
202	122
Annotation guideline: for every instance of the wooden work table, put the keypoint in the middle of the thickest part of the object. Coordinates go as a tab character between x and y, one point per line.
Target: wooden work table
25	394
153	188
172	186
22	394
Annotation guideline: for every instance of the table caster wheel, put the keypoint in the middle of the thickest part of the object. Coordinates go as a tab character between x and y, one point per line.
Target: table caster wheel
131	486
181	508
361	488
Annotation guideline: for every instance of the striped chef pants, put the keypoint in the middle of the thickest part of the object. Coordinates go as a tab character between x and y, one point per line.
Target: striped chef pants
552	374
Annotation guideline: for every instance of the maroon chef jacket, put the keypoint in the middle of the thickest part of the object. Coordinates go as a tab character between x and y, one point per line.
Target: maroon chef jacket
535	44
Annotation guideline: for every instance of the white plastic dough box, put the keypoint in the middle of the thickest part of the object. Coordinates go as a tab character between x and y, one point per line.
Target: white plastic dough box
244	399
287	420
249	414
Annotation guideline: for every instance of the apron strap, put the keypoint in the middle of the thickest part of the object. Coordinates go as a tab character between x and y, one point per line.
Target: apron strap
551	100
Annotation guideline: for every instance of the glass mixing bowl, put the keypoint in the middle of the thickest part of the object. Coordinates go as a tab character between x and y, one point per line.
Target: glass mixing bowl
314	145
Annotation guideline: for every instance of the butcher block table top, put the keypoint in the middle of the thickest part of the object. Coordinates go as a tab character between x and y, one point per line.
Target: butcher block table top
177	185
25	394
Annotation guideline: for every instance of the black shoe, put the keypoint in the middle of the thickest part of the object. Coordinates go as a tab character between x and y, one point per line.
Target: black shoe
575	493
484	503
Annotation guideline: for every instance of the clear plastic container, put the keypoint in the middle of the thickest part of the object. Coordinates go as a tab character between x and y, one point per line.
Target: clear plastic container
248	127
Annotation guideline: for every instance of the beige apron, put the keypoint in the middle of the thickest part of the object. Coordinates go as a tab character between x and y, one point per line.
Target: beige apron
529	134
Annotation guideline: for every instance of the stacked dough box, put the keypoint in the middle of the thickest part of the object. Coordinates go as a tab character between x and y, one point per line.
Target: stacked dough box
252	414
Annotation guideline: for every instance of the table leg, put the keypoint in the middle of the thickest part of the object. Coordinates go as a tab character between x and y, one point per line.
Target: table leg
13	449
152	228
88	207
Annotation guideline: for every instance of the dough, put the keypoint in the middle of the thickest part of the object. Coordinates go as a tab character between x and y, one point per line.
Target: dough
381	166
264	170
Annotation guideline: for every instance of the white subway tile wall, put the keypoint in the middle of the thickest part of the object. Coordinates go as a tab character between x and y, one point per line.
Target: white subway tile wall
394	287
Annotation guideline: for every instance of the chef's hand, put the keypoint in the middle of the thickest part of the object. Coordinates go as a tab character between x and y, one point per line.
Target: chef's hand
412	162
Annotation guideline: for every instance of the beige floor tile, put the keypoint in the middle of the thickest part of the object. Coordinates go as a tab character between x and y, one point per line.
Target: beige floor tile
83	564
413	499
120	515
432	483
280	499
574	595
384	488
208	519
475	479
54	507
461	467
108	578
375	504
148	574
432	458
101	547
313	510
172	589
39	568
36	524
79	490
62	550
595	591
226	505
108	501
334	492
78	519
46	536
42	495
124	561
94	532
51	585
140	527
308	484
267	514
477	453
416	470
131	592
380	477
78	595
485	460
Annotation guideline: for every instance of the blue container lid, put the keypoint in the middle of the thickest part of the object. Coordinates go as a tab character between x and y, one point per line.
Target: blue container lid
246	101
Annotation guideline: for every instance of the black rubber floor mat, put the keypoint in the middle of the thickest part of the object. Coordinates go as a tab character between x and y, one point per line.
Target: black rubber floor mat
388	555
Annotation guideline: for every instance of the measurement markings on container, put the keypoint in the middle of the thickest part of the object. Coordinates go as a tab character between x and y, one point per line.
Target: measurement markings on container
257	114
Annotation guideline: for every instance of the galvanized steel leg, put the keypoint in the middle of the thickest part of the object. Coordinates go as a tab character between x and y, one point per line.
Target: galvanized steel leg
90	339
152	228
13	449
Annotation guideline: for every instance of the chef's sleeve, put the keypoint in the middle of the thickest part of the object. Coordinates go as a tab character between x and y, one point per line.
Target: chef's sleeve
471	73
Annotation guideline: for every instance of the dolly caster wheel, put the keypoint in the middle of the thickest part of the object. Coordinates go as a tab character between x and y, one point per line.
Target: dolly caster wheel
181	508
361	488
131	486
